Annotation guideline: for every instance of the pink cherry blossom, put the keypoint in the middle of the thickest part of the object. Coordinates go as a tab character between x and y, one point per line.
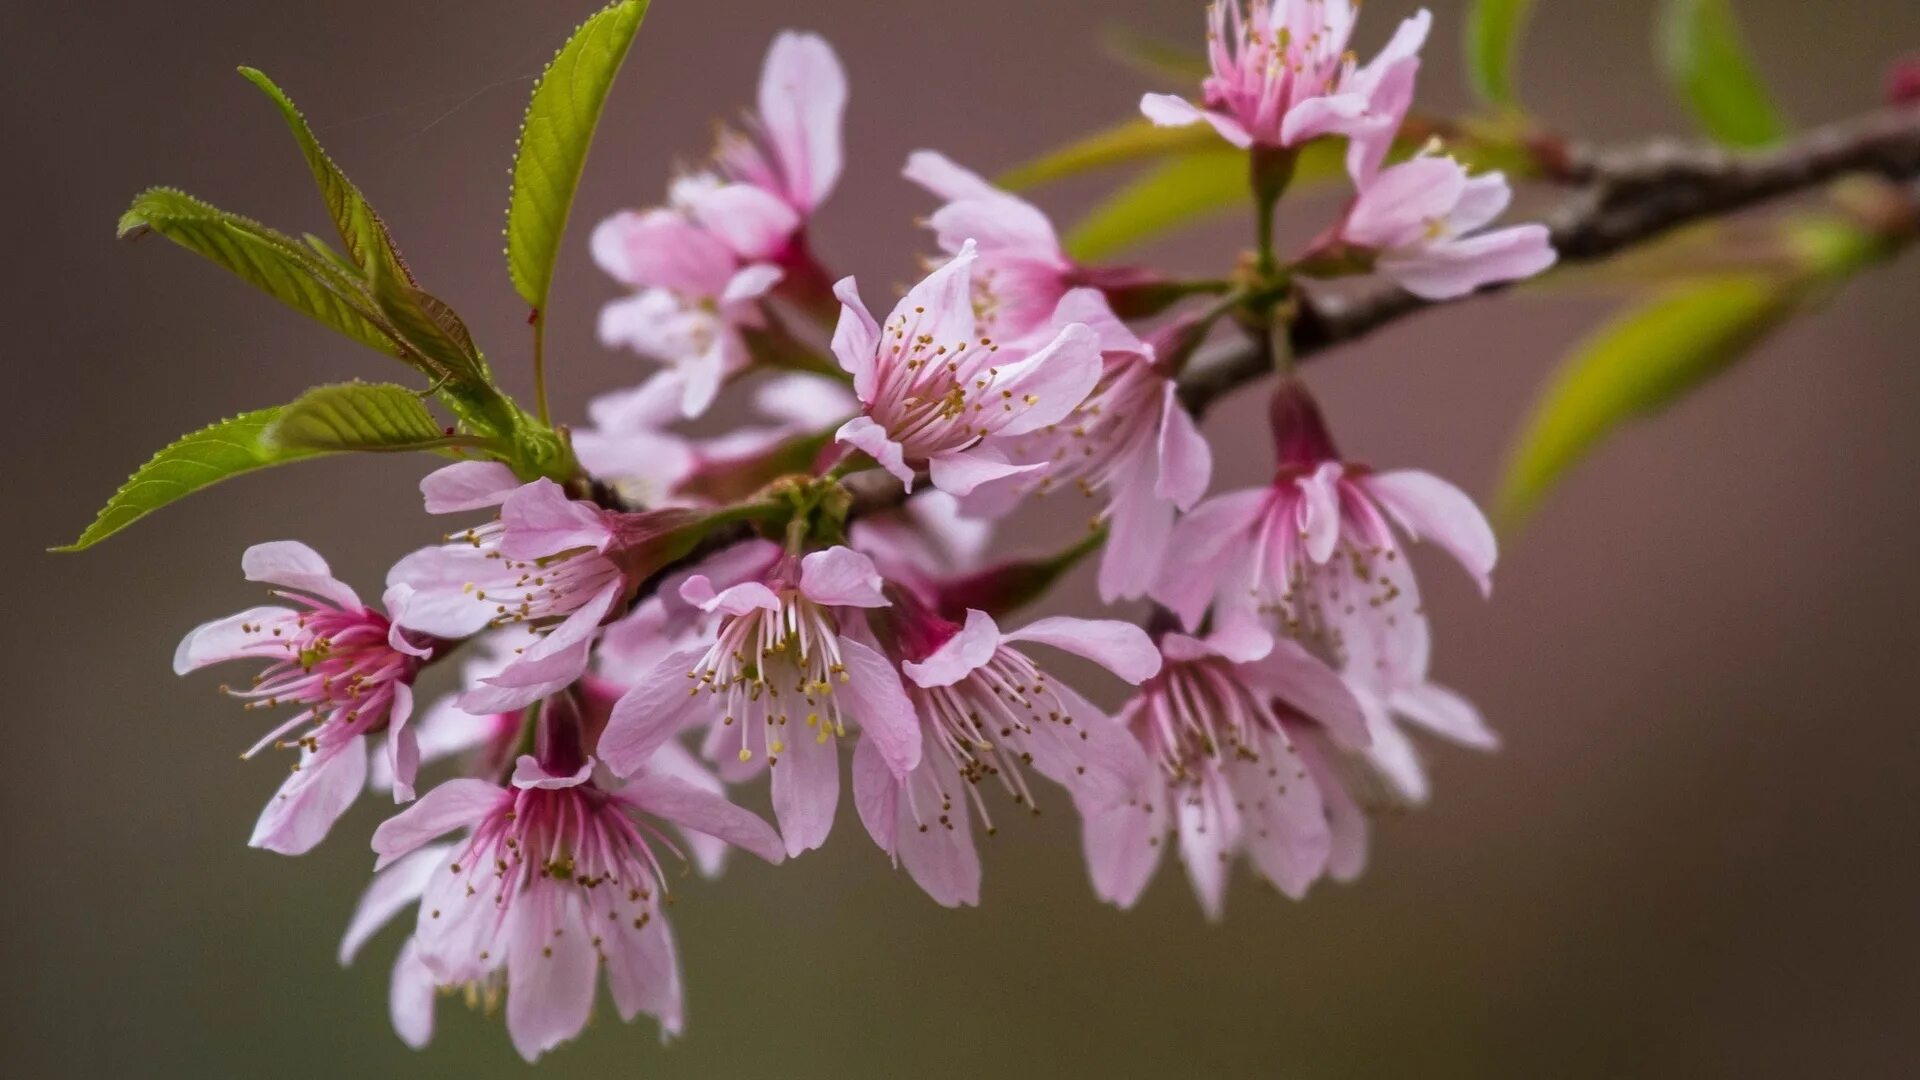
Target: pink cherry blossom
1283	75
1314	553
555	878
986	712
1229	776
1020	272
788	654
554	566
1130	442
1421	220
791	149
347	666
937	394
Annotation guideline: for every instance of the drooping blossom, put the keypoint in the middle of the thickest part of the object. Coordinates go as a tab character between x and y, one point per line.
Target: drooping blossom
1130	443
1020	271
348	668
551	566
1229	777
786	677
1420	221
696	299
939	395
555	878
1283	75
987	713
1313	554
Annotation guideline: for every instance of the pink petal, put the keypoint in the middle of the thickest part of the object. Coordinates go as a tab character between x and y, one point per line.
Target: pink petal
841	577
1088	753
734	600
1395	756
755	223
643	973
395	601
941	305
1122	844
551	971
1395	209
541	521
1320	510
652	405
443	603
410	997
390	891
876	795
960	472
1209	833
803	400
1202	541
864	434
1139	527
300	814
690	807
651	713
1346	819
803	94
1446	714
1120	647
1484	198
939	174
1167	110
453	805
937	846
1285	832
529	773
1089	306
856	338
247	635
806	786
1457	267
1299	678
661	249
1186	459
467	485
876	701
1327	114
403	745
293	565
960	655
1048	385
1239	640
1431	509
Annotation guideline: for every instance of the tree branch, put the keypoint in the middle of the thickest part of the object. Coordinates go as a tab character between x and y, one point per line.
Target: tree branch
1629	196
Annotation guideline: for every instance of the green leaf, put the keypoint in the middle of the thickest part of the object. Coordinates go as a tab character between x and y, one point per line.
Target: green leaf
361	416
1493	37
206	457
1706	59
1131	140
293	273
1175	193
423	320
1634	365
554	140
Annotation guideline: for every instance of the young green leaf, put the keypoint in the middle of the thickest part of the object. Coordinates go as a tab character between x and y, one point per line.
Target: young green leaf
294	274
1707	61
554	141
361	416
206	457
1129	140
1169	195
1493	37
1641	361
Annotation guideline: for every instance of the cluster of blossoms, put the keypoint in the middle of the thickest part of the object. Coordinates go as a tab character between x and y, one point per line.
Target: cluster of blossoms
619	692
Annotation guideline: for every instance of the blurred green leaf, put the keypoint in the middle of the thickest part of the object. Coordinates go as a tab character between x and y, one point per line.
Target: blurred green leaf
554	141
195	461
1130	140
361	416
1493	38
1636	364
1707	61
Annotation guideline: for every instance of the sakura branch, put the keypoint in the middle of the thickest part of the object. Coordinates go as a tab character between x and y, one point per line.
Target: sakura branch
653	624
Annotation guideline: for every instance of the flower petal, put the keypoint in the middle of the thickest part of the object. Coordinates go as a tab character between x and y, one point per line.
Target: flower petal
935	839
300	814
293	565
865	434
1122	844
856	338
960	655
453	805
806	784
410	997
961	472
1446	714
254	634
803	95
1120	647
1294	675
1186	459
1457	267
550	973
688	806
841	577
651	713
467	485
1044	388
390	891
878	703
540	521
754	222
876	795
1429	508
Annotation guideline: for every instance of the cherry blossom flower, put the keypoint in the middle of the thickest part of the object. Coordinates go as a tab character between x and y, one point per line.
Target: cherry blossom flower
1130	442
1420	220
1313	554
1229	776
1020	271
939	395
555	878
1283	75
790	151
987	712
784	676
348	667
551	565
695	301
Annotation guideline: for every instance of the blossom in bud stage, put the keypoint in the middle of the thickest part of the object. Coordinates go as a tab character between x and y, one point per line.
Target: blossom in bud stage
1283	76
937	394
347	666
986	712
1421	219
553	566
695	299
1130	442
556	877
1219	723
786	672
1020	272
1313	554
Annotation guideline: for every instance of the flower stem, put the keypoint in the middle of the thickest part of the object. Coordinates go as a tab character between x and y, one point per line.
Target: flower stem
539	322
1270	170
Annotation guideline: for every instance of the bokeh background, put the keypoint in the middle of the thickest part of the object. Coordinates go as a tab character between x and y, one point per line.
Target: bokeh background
1694	856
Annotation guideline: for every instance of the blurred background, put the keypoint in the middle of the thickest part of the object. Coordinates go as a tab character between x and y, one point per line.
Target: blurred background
1694	856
